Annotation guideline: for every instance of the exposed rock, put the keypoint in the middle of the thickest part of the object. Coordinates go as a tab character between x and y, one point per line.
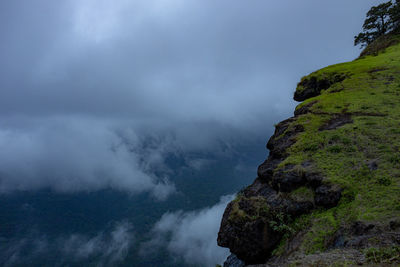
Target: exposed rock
363	235
275	200
266	169
312	86
336	121
346	249
283	138
372	165
304	109
233	261
297	208
384	239
394	225
337	257
247	224
313	179
360	228
327	196
260	188
226	230
377	70
288	178
246	231
250	226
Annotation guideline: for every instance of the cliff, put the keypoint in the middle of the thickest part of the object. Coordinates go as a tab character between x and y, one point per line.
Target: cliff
329	191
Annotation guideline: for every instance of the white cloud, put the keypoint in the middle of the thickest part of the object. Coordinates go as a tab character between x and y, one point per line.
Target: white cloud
111	247
191	236
72	155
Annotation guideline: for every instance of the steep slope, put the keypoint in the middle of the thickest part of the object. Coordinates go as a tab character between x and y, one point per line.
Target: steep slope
329	192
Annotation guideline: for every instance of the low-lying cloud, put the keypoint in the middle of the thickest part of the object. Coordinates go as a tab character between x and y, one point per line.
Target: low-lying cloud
81	154
191	236
103	249
110	248
74	155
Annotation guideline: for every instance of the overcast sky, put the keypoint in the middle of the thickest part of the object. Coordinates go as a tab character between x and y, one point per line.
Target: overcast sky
79	76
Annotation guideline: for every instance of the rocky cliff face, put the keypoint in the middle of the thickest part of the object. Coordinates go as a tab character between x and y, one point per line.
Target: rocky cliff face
329	190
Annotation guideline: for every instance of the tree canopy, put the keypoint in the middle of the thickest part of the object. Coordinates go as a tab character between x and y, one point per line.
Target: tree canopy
395	15
380	20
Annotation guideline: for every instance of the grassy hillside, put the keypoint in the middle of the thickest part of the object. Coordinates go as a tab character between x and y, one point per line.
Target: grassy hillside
334	170
363	154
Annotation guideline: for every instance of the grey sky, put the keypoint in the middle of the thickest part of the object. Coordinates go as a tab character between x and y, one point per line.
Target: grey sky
76	72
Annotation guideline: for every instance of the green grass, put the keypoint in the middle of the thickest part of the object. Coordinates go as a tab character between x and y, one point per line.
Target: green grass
302	194
320	234
259	204
371	92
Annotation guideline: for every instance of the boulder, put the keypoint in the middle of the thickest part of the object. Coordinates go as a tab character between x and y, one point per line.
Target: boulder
288	178
246	231
313	85
327	196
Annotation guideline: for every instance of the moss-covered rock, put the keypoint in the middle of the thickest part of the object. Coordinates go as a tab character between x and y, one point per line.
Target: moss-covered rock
312	85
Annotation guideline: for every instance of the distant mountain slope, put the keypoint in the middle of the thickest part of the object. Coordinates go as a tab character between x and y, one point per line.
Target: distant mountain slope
329	192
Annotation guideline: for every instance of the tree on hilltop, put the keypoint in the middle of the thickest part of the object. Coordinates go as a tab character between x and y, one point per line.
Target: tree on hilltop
395	15
377	23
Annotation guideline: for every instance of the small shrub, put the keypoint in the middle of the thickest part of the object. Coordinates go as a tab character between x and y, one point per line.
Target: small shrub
280	224
386	181
335	149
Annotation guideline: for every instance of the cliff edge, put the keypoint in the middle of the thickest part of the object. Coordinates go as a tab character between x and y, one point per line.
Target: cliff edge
329	191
